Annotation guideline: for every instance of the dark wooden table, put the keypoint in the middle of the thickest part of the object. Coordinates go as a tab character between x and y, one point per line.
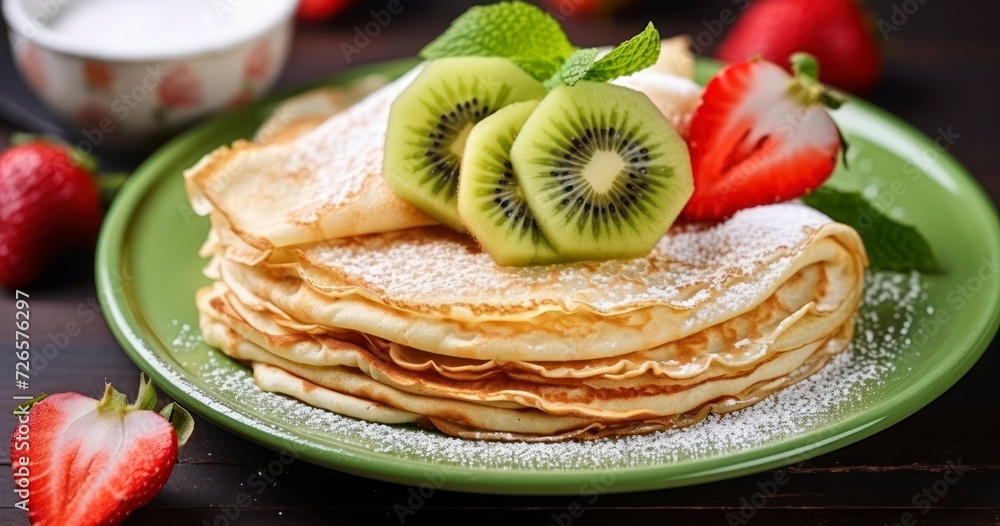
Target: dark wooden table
943	70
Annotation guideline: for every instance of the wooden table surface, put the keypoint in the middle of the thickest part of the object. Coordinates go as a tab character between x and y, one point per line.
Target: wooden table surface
943	70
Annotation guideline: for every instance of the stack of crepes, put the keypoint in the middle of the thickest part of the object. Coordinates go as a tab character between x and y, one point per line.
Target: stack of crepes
341	295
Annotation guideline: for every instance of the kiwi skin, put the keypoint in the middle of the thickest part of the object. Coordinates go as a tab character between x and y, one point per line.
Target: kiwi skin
431	119
618	206
490	202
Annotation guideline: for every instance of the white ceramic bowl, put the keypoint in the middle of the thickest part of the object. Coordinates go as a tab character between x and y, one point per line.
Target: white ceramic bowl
121	87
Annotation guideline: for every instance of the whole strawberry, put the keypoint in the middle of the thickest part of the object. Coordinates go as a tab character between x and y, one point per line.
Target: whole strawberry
49	204
836	32
586	8
92	463
321	10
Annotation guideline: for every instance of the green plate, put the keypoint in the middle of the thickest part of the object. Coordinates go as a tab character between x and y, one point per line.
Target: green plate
148	271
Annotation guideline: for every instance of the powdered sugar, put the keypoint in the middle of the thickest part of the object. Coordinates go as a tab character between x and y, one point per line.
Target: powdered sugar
847	385
441	269
344	151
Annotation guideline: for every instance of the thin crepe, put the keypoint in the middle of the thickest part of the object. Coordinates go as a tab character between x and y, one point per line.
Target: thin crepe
434	290
720	316
598	397
350	391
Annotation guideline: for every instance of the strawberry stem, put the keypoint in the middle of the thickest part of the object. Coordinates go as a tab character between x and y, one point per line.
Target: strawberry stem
178	417
21	138
806	85
805	67
118	402
112	400
84	160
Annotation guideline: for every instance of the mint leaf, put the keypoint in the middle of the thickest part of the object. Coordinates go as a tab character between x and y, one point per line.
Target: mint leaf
574	69
534	41
890	245
632	56
521	32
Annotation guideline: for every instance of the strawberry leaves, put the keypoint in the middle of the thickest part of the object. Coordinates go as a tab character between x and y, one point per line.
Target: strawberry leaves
178	417
181	420
26	406
146	399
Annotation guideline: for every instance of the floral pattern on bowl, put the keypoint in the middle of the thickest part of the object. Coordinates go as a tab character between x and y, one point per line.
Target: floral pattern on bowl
29	62
126	101
98	76
258	68
179	89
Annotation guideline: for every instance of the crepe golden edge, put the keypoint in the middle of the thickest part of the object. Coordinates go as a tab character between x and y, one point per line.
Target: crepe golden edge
264	335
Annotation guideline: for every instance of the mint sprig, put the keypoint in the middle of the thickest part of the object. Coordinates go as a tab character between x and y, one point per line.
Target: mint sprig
891	245
575	69
631	56
534	41
518	31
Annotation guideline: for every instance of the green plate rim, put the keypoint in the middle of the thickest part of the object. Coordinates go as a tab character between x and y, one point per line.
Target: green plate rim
127	328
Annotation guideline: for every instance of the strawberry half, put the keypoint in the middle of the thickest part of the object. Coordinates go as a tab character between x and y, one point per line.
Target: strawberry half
760	136
93	462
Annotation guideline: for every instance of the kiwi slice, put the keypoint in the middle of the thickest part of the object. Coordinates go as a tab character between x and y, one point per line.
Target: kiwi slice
490	202
431	119
604	172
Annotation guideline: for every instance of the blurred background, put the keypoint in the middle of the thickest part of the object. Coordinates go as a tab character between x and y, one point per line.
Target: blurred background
941	59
